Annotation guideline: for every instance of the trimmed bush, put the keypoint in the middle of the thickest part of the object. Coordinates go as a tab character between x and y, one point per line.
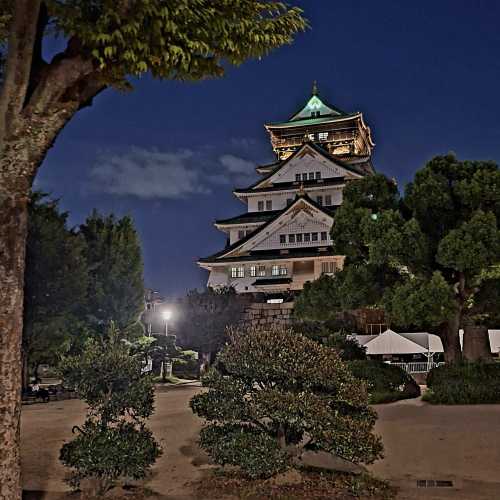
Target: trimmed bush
386	383
114	441
464	383
274	394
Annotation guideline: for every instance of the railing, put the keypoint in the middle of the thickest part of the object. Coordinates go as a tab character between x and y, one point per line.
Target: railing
299	139
416	367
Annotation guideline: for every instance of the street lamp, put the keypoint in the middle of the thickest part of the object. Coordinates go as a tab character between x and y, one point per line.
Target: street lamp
167	314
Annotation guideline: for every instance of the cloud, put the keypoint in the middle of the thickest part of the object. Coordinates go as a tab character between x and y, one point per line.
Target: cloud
154	174
236	165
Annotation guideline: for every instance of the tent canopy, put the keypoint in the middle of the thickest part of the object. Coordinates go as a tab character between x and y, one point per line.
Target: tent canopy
391	342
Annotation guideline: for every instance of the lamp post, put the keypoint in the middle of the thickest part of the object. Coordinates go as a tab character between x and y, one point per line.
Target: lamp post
166	366
167	314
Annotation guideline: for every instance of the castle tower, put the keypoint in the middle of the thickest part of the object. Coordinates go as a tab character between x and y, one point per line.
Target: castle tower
283	239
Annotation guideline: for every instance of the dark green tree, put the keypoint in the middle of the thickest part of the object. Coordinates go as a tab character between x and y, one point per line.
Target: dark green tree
106	43
205	317
115	284
55	285
435	255
114	441
276	399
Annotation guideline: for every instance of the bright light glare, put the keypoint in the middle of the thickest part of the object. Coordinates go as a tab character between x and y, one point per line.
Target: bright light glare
167	314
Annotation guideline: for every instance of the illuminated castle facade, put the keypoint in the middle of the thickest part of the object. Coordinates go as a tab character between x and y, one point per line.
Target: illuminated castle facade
283	239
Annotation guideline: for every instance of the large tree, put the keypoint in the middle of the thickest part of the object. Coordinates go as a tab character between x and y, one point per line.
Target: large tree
115	281
106	41
205	317
55	284
433	257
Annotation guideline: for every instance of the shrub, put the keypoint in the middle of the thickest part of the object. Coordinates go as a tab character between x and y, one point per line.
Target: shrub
332	333
464	383
273	395
386	383
114	441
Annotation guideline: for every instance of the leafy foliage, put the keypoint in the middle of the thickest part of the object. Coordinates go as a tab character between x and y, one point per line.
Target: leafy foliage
272	392
386	383
187	39
55	284
206	315
116	288
113	441
431	260
464	383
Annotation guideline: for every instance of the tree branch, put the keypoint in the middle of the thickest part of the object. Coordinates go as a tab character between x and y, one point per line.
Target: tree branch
22	36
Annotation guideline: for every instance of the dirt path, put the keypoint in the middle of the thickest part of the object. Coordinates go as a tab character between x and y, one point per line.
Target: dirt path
457	443
45	427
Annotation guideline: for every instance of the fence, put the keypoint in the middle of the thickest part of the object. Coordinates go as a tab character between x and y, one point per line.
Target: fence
417	367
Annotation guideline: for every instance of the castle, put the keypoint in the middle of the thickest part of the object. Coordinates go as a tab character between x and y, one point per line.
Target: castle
283	239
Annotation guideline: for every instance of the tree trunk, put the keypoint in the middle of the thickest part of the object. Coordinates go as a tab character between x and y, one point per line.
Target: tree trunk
476	343
13	232
451	340
26	373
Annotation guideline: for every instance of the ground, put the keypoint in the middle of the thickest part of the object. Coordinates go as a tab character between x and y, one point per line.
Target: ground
457	443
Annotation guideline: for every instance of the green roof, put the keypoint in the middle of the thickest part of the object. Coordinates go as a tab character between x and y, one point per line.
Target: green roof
315	111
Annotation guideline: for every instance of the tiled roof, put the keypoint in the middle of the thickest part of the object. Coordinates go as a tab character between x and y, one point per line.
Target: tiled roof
250	217
329	181
292	253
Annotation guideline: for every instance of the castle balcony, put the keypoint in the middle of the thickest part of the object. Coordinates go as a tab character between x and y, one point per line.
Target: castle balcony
338	138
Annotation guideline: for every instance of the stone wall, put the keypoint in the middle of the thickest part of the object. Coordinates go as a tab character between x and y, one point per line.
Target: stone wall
263	314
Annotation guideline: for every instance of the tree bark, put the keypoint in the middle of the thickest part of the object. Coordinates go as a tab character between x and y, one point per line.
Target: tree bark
476	343
13	232
451	340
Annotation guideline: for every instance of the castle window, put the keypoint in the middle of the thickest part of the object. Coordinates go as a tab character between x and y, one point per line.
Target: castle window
307	237
269	204
304	177
297	177
319	200
311	137
275	270
298	237
311	176
260	206
318	175
261	270
324	236
328	267
314	236
323	136
328	200
291	238
238	272
241	234
283	271
253	271
289	201
282	239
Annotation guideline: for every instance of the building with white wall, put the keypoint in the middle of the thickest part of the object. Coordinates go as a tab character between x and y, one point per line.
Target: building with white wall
283	239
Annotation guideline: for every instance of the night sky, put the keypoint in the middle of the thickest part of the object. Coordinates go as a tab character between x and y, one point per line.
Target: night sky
425	74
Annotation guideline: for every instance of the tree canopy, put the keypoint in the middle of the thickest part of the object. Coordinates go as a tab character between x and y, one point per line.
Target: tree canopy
276	398
115	283
55	285
205	317
433	256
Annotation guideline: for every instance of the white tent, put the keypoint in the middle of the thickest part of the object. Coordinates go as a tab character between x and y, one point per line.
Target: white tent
391	342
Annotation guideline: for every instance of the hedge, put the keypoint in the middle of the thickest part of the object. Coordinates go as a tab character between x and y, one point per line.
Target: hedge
464	383
387	382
